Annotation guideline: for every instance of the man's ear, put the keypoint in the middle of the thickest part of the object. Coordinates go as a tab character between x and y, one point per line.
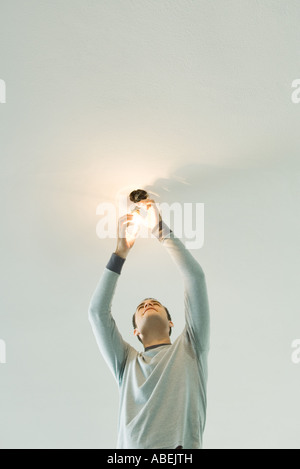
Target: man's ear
136	332
171	324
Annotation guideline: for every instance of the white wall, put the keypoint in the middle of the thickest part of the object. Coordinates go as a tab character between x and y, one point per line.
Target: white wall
191	100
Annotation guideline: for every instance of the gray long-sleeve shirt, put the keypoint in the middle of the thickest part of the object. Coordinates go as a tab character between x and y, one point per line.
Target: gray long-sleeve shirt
163	389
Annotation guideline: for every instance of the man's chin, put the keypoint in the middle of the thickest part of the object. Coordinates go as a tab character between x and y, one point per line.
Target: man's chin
152	319
150	309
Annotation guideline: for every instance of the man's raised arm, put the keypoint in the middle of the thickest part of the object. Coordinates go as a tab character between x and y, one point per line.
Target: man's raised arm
110	342
195	291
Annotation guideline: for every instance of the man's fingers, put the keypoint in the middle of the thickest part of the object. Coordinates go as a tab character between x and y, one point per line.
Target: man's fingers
124	223
125	218
127	221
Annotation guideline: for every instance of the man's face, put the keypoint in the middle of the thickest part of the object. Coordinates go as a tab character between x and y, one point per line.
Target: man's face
151	313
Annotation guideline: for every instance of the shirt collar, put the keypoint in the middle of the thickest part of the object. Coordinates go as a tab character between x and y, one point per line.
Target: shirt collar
154	346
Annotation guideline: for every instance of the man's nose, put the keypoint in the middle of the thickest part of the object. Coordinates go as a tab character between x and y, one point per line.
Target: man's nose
147	304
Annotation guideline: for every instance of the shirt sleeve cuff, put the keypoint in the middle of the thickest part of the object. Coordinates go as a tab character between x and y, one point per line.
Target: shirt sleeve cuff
115	263
161	231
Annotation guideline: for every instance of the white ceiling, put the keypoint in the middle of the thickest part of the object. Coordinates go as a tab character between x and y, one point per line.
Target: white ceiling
191	100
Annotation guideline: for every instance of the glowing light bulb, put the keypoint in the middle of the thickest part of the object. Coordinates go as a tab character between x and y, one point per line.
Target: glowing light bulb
134	227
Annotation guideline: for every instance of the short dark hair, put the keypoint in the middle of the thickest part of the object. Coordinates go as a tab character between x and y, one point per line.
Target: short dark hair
168	315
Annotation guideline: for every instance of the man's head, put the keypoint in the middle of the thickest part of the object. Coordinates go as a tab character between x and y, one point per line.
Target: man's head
151	320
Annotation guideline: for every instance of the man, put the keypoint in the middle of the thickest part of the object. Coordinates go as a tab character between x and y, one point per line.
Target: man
162	389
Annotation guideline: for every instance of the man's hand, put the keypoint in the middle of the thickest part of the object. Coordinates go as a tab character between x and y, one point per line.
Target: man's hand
125	239
153	214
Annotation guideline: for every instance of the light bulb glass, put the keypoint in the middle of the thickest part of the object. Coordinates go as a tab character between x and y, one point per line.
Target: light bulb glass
134	227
